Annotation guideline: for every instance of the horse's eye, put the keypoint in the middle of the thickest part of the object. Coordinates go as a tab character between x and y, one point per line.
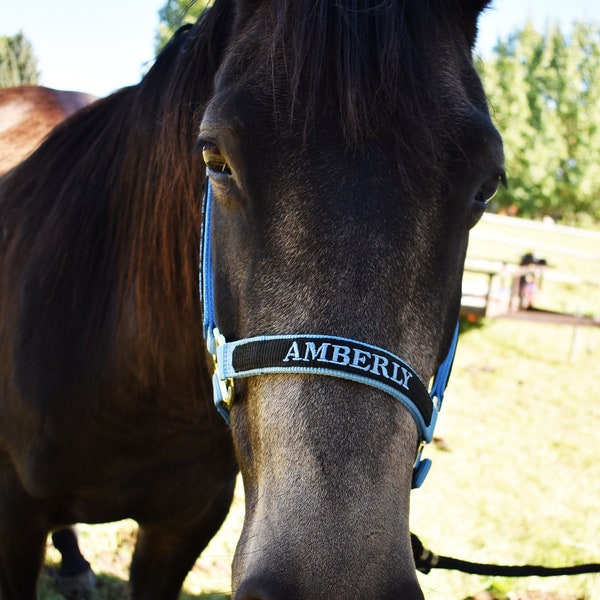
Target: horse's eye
214	159
488	190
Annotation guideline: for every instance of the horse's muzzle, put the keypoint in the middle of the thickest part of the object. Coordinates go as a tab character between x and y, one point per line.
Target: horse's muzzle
264	588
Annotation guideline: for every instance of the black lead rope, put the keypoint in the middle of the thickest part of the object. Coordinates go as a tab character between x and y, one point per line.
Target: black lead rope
425	560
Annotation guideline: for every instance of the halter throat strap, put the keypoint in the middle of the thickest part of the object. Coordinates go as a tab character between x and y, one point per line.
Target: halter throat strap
317	355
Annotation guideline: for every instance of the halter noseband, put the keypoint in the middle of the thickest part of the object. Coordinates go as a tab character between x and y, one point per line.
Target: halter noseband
317	355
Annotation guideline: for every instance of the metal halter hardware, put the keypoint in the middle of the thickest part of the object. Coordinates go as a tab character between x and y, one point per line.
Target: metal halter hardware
318	355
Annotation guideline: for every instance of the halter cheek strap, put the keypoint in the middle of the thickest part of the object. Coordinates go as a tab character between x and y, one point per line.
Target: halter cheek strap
317	355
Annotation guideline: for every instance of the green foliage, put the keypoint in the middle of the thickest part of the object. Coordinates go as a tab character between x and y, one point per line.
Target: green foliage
544	97
176	13
18	64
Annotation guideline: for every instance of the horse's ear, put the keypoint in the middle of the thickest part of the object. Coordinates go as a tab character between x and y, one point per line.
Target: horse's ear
482	4
476	6
471	10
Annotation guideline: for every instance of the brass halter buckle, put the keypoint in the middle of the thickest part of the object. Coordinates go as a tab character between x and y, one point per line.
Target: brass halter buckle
223	389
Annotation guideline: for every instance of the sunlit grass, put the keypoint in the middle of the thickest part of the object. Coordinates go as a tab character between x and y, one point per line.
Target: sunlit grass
519	482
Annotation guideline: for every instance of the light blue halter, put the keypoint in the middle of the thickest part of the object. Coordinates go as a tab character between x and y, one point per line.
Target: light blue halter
317	355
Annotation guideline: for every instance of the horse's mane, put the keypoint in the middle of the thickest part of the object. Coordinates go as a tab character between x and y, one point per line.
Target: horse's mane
103	220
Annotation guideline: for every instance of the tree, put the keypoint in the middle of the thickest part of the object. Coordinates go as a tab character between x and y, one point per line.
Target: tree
544	93
18	64
176	13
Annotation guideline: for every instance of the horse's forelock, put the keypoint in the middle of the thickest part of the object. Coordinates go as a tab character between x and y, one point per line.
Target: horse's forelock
366	58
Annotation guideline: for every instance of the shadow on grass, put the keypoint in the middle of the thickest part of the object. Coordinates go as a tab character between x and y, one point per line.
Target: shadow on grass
467	325
109	587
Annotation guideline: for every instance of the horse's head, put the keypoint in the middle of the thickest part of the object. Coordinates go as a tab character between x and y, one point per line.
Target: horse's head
350	150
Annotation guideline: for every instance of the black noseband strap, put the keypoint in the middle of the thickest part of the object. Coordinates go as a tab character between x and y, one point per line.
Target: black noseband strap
328	355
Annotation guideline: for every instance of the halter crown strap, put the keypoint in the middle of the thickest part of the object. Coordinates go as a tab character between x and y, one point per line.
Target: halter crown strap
317	355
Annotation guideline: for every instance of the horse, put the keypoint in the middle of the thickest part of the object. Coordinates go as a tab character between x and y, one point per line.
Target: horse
27	114
330	159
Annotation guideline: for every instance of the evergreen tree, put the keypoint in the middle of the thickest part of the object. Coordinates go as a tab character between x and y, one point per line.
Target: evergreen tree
176	13
18	64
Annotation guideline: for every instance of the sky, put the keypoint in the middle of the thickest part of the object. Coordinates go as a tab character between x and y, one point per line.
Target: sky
98	47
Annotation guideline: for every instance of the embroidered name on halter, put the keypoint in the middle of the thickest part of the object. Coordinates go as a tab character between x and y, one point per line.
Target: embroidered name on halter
355	358
328	355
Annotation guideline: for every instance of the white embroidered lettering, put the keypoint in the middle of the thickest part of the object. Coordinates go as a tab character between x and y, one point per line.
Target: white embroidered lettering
311	352
341	355
407	376
293	353
359	359
380	362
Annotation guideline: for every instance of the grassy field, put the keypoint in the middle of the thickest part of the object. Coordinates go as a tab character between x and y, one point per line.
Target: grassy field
517	477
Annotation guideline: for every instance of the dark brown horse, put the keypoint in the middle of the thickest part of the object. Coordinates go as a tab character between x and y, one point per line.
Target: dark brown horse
27	114
350	150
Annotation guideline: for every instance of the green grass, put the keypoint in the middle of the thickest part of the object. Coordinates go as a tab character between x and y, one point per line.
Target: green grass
519	479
